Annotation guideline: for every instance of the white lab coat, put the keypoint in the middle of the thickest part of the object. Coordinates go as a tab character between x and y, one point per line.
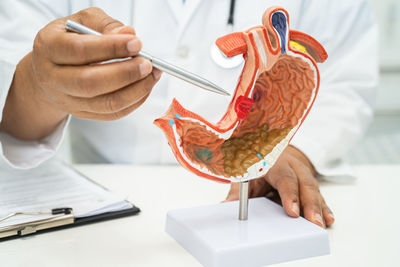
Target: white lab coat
182	34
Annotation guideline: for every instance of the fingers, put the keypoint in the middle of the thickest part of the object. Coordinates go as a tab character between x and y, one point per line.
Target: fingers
111	106
285	181
259	187
310	197
94	80
110	116
67	48
64	67
121	99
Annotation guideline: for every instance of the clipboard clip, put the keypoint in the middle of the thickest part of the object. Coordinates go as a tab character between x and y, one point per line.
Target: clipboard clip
22	229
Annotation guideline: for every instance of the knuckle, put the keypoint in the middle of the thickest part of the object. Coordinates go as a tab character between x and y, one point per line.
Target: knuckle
119	114
149	84
294	195
36	53
38	43
316	207
133	72
109	23
326	208
284	181
146	90
90	11
132	76
115	49
65	103
141	91
280	183
86	83
323	202
311	205
95	10
311	183
77	48
113	104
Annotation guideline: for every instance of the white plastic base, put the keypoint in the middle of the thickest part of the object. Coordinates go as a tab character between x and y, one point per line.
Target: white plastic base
216	238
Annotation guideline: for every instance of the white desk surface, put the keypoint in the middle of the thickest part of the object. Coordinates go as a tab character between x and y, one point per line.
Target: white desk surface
366	232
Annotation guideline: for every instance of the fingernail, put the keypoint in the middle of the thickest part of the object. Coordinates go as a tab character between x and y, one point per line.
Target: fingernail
145	68
133	46
317	217
296	208
157	74
116	30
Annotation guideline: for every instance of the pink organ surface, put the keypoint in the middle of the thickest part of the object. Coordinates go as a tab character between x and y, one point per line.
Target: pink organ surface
275	92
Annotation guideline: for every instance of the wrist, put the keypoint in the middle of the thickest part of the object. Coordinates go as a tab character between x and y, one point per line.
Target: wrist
28	113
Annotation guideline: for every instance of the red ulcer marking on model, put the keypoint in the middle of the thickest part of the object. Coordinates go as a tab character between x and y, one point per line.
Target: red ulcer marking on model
243	106
260	170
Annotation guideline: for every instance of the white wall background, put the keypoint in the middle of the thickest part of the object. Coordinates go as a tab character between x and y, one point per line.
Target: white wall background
388	16
382	142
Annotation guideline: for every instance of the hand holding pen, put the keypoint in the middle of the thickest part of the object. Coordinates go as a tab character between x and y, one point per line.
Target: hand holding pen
59	78
173	70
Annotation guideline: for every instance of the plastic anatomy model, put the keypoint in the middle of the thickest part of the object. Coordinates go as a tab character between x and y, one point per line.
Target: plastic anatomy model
274	94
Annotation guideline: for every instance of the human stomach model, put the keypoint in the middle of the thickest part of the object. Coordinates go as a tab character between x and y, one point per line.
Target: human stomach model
274	94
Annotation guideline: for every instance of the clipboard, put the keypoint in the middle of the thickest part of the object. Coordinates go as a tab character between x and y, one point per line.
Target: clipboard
62	218
60	222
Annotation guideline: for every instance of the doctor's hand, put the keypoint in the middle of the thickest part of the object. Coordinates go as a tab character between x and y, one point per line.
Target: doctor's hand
62	76
293	176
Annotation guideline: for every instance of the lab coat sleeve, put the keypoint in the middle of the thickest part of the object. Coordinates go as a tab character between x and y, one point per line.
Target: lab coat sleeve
20	21
344	105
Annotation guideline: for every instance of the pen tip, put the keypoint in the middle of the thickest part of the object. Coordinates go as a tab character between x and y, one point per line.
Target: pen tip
220	90
223	92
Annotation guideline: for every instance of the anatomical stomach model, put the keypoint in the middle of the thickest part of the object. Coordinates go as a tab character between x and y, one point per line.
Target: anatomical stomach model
275	92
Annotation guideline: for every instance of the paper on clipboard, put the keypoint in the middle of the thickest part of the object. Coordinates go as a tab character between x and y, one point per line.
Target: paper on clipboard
52	185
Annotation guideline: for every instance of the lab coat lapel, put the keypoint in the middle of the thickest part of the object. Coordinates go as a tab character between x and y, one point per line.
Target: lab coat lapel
183	12
190	8
176	7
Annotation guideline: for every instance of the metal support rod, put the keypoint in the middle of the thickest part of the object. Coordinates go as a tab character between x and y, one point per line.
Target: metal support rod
243	200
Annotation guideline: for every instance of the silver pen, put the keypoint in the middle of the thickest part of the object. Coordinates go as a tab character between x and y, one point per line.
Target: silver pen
166	67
